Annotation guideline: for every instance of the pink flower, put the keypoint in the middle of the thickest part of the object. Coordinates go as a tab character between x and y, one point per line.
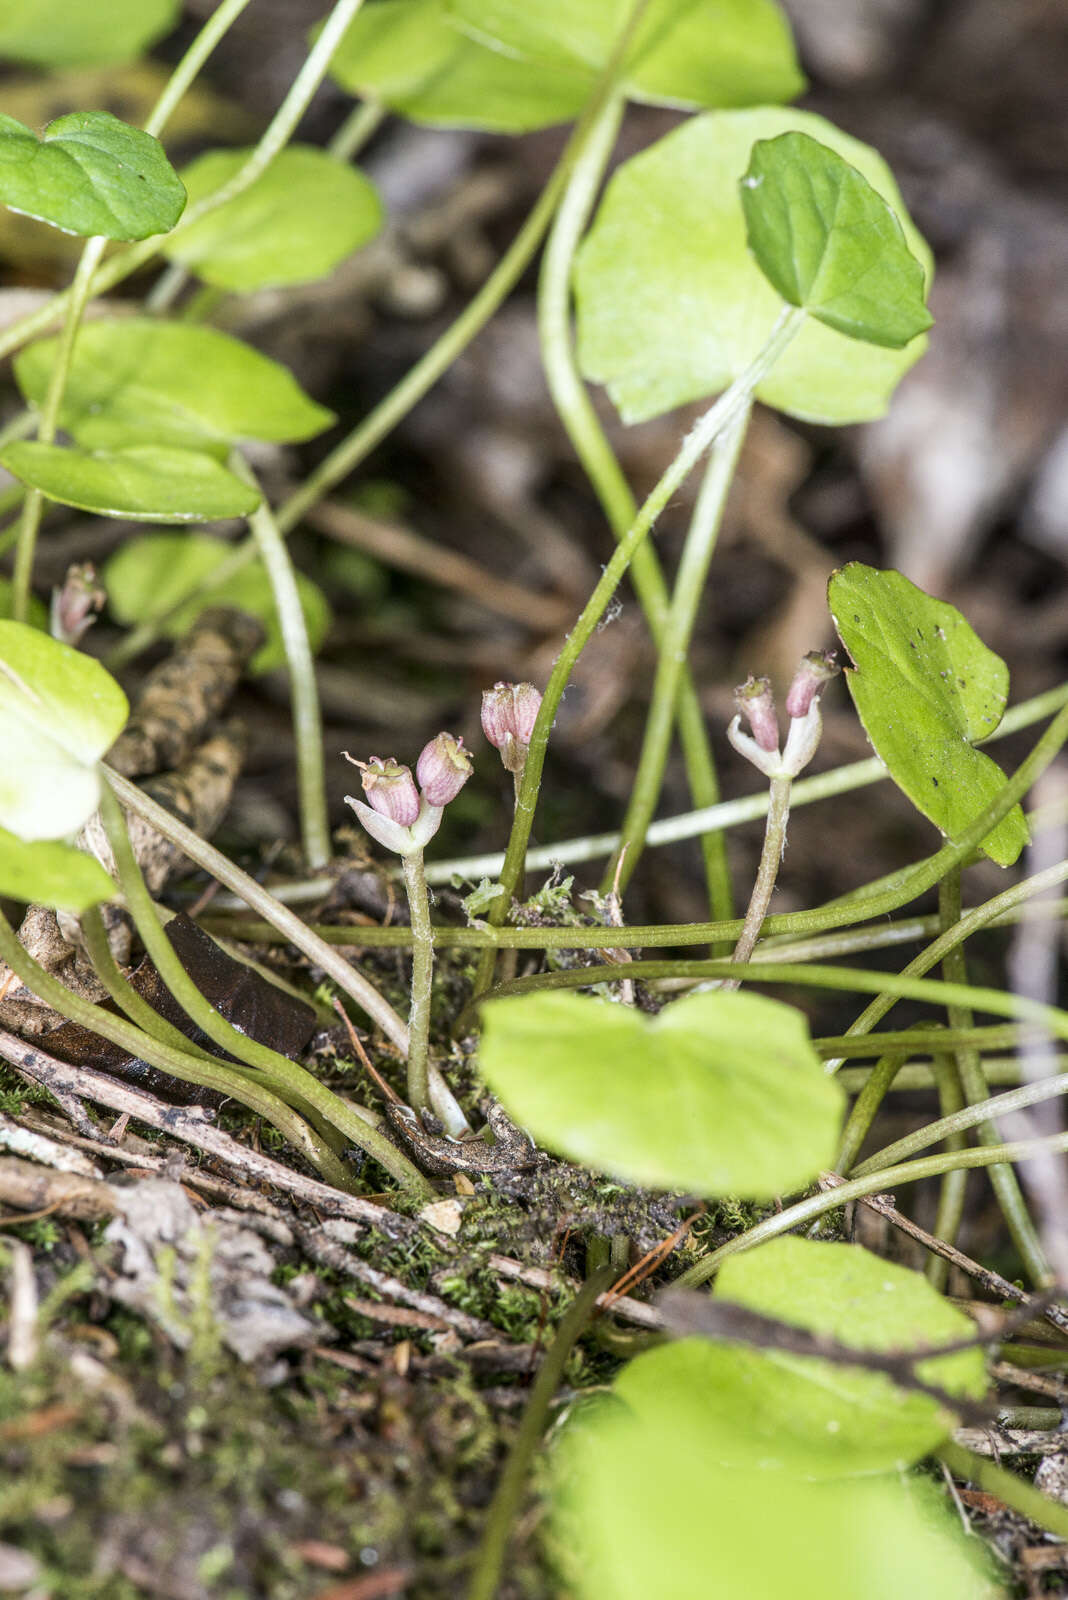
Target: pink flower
810	679
390	789
442	769
509	712
756	702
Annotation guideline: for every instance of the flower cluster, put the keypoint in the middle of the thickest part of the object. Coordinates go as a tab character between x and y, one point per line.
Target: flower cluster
756	703
399	813
403	811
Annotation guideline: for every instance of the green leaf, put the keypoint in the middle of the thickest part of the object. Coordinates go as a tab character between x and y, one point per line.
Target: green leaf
926	689
294	224
759	1409
48	873
826	241
147	483
671	305
141	381
59	712
512	69
149	576
643	1508
721	1093
69	33
411	56
698	53
89	173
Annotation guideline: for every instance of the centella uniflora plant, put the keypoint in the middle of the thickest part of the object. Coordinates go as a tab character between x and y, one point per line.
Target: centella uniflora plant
403	812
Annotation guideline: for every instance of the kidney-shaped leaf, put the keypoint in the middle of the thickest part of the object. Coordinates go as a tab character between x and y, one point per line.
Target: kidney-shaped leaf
49	873
69	33
926	689
141	381
59	712
147	578
306	213
716	53
762	1408
671	304
412	56
827	241
89	173
147	483
642	1508
721	1093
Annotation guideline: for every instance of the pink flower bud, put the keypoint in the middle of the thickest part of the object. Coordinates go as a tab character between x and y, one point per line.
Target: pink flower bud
75	605
509	712
390	789
815	671
443	769
756	703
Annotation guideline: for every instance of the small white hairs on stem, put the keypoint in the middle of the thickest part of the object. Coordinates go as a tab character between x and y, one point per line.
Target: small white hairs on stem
756	703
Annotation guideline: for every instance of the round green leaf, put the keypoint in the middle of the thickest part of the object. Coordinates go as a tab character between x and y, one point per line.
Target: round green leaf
721	1093
69	33
147	577
49	873
89	173
147	483
141	381
671	305
716	53
926	689
763	1409
411	55
59	712
295	223
642	1508
828	242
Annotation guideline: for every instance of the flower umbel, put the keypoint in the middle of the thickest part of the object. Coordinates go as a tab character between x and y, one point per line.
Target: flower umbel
755	701
509	712
399	815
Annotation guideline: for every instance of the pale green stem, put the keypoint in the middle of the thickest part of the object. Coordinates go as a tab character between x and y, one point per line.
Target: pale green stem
950	1213
258	899
166	289
887	1179
920	1075
849	979
767	872
25	549
282	1075
122	992
722	415
1007	1487
274	138
999	1105
674	647
218	24
728	813
180	1064
962	929
422	978
878	1083
1003	1180
362	122
304	691
591	445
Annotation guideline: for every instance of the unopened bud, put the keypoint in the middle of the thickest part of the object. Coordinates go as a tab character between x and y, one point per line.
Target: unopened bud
76	604
509	712
443	769
390	789
756	703
814	673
